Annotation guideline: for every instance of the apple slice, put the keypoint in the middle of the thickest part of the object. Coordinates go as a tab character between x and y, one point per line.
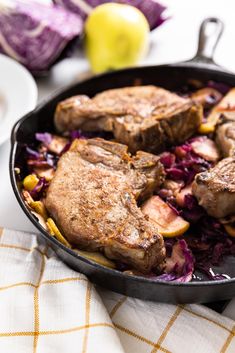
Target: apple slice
96	257
207	96
55	232
168	222
187	190
227	104
230	229
206	148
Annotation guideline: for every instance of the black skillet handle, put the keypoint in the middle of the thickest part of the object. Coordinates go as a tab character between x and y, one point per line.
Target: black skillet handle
209	36
210	32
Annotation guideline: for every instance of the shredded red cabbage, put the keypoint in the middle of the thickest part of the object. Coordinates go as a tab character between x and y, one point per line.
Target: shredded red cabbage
208	240
38	190
192	212
78	134
40	159
167	159
179	265
44	137
209	244
219	86
32	154
182	163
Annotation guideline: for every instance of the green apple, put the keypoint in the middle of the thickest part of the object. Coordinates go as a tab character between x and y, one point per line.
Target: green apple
116	36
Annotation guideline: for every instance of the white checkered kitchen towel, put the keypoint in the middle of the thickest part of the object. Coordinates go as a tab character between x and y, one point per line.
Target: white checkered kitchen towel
45	307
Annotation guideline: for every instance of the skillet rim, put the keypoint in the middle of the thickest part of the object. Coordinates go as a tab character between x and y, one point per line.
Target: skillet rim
194	65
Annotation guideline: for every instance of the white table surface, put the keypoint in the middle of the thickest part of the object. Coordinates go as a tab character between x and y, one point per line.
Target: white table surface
175	41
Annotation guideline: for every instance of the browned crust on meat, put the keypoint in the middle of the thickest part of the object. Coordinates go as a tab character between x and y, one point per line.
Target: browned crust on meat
93	200
157	132
225	134
144	118
68	109
215	189
220	178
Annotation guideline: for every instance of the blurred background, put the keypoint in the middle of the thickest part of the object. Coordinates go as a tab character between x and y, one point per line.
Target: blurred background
175	40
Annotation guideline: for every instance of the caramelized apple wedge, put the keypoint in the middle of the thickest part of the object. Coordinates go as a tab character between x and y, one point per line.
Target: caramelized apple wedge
96	257
206	148
168	222
180	197
207	96
230	229
227	104
55	232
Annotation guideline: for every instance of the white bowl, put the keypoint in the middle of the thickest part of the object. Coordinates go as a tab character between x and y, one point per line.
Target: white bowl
18	94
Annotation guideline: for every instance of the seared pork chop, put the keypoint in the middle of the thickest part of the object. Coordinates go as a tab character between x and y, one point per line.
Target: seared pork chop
93	200
144	118
225	134
215	189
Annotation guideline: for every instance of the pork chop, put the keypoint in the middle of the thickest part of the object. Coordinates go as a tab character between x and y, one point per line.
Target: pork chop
145	118
93	199
225	134
215	188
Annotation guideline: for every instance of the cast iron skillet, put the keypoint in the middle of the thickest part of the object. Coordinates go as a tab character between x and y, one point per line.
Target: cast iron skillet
201	67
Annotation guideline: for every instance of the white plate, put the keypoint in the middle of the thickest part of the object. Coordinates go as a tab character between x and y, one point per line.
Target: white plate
18	94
